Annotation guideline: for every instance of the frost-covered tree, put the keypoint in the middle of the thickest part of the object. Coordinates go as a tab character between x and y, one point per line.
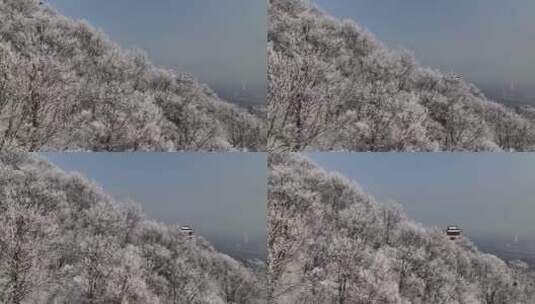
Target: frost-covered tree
334	86
329	242
63	240
66	86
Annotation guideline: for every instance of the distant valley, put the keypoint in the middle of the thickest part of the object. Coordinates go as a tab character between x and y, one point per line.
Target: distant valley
509	249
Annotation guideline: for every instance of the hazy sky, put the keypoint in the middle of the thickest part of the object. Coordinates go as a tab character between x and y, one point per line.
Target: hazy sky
487	194
488	41
221	195
220	42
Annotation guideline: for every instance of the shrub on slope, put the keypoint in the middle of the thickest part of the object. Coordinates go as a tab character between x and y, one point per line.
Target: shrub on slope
330	242
63	240
334	86
66	86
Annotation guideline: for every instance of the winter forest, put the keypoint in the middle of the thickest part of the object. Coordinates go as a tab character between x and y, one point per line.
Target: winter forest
63	240
66	86
329	242
334	86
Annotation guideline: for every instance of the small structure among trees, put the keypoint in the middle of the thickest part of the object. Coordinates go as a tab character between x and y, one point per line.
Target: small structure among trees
453	232
187	230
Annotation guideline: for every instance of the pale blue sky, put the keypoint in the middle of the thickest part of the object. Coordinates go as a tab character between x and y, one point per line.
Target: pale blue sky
220	42
487	194
488	41
223	196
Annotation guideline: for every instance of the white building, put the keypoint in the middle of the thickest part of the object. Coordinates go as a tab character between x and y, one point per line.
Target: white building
186	230
453	232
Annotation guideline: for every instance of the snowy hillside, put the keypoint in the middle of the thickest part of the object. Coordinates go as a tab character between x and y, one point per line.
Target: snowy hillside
334	86
330	242
63	240
66	86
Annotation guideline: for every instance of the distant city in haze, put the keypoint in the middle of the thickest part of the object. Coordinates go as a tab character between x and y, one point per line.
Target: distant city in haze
489	195
219	42
222	196
510	94
489	42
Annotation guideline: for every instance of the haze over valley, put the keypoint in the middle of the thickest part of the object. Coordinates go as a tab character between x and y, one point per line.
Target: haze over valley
219	42
489	196
489	42
221	196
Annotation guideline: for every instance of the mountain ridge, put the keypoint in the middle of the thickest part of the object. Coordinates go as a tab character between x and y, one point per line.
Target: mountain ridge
67	86
330	242
335	86
65	240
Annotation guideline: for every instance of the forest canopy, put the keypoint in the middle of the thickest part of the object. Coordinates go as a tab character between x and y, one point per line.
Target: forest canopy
334	86
330	242
64	240
65	86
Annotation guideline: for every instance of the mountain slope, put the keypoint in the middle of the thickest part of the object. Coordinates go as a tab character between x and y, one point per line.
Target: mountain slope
64	240
330	242
334	86
66	86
